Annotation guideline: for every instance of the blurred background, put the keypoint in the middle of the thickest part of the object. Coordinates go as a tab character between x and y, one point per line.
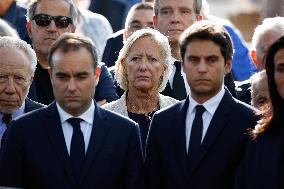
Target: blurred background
244	14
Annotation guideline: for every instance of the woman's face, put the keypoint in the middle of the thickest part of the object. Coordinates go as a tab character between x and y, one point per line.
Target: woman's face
144	65
279	71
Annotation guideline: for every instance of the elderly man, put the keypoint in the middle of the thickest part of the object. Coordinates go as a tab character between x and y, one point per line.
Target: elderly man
17	66
46	21
264	36
73	143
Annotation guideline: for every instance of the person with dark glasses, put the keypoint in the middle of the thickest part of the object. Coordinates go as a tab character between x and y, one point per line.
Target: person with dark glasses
46	21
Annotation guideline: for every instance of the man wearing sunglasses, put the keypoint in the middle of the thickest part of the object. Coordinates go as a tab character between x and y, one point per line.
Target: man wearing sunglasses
46	21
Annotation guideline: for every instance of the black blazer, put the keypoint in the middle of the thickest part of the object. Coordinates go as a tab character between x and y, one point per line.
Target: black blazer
221	151
32	105
35	155
263	163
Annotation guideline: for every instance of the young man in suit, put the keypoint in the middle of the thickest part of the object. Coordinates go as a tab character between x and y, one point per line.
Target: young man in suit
17	66
199	142
73	143
46	21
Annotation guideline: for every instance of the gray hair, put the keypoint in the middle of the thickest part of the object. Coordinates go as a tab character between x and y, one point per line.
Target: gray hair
7	30
196	3
275	24
255	78
16	43
160	40
33	5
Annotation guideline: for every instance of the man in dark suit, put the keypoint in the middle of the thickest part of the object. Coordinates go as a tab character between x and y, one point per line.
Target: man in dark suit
17	66
199	142
46	21
72	143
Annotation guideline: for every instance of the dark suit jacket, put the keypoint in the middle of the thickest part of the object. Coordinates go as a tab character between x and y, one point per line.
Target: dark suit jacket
263	162
221	150
113	45
32	105
35	155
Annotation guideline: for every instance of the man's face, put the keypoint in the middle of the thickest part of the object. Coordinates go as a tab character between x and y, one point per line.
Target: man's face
43	36
174	16
260	94
15	79
205	69
265	42
138	19
73	80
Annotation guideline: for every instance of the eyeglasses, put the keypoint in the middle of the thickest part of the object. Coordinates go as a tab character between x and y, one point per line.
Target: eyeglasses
44	20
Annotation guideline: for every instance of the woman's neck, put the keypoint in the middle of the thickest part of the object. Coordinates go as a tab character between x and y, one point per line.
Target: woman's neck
142	103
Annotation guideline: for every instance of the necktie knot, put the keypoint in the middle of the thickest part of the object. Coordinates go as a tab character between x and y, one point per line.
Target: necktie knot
178	66
75	122
7	118
199	110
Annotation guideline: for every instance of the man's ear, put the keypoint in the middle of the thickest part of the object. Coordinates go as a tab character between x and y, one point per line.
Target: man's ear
155	20
28	26
228	66
49	69
73	28
97	75
199	17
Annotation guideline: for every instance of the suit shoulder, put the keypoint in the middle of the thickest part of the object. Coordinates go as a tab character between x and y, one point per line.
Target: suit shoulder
167	111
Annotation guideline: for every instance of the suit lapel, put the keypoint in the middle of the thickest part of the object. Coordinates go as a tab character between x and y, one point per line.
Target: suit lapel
179	122
219	120
99	131
54	130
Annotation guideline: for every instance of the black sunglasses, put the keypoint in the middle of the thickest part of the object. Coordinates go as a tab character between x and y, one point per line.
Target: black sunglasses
45	19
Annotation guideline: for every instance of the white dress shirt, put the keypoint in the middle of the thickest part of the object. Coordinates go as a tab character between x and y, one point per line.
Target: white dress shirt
172	74
86	125
210	106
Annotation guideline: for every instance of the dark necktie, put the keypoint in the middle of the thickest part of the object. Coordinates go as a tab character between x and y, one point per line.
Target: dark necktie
77	149
7	118
196	134
179	91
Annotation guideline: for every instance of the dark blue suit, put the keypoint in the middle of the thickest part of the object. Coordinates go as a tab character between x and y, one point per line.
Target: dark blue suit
36	156
263	165
221	150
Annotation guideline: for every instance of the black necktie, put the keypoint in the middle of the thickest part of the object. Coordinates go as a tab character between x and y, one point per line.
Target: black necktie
7	118
77	149
179	91
196	134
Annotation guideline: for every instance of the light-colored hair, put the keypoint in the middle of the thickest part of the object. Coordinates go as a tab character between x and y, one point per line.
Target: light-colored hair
16	43
196	3
165	50
7	30
275	24
33	5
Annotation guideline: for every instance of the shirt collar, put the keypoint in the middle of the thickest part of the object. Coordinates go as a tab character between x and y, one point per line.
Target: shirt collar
210	105
87	116
17	113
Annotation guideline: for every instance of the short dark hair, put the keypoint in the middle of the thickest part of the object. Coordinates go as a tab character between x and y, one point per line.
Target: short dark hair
207	30
196	3
73	41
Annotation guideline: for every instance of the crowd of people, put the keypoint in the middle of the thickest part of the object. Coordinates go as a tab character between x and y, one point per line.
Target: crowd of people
175	99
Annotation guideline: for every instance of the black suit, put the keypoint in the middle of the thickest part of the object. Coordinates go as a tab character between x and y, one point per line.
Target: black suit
113	45
221	150
263	165
36	156
32	105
